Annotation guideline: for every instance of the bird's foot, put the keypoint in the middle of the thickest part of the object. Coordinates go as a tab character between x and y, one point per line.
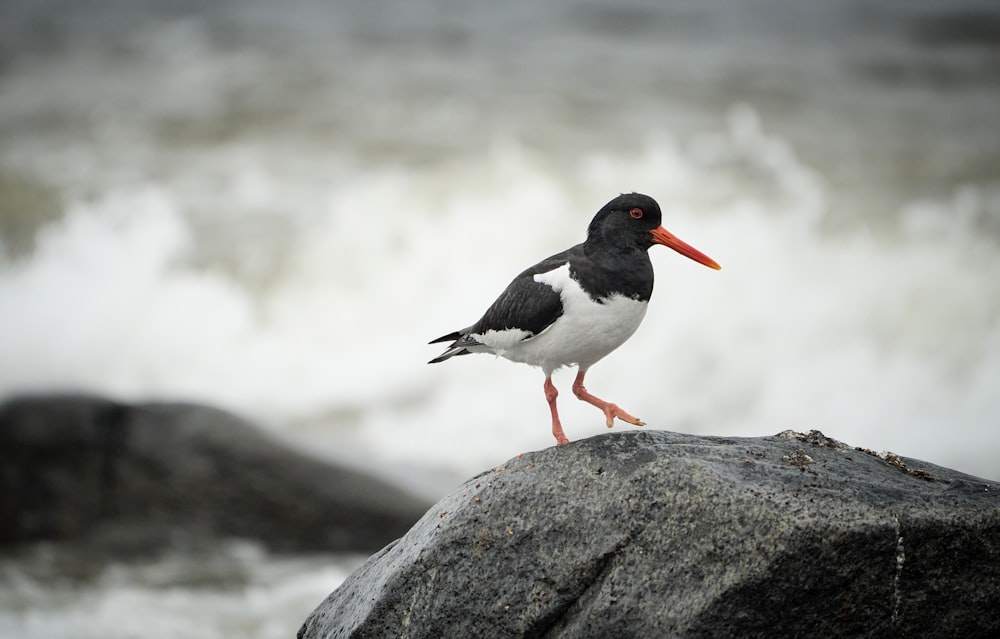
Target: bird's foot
611	411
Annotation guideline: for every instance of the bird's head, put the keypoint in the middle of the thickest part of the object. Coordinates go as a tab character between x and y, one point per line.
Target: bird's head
632	220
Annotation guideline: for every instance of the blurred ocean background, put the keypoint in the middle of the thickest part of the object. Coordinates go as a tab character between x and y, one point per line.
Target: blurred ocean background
272	207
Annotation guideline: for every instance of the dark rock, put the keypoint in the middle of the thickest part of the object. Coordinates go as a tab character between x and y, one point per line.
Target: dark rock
139	478
656	534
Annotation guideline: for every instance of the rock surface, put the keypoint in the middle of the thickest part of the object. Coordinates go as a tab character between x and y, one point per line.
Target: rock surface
139	478
656	534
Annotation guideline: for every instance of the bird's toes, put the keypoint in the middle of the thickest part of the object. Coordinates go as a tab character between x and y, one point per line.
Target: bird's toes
613	410
625	417
609	415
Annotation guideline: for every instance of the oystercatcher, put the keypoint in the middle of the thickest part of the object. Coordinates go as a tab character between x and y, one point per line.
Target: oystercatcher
579	305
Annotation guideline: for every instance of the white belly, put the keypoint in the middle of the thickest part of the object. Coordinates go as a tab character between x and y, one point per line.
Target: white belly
584	334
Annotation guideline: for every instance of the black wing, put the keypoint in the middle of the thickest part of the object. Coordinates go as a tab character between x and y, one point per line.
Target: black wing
525	304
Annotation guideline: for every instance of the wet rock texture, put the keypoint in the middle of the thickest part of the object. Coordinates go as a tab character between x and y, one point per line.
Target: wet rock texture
139	478
656	534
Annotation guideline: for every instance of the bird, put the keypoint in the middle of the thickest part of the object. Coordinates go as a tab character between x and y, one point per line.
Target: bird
577	306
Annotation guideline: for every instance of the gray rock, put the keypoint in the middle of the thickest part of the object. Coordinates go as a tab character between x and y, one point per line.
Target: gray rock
656	534
139	478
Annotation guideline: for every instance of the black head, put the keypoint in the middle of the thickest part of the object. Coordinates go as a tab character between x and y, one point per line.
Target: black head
631	222
626	222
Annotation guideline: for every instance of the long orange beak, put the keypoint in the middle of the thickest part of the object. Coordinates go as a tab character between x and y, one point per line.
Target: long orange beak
666	238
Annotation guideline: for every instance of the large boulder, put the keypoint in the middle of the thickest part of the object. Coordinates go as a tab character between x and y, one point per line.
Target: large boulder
140	478
656	534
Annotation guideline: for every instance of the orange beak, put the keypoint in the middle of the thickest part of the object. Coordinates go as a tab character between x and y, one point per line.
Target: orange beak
666	238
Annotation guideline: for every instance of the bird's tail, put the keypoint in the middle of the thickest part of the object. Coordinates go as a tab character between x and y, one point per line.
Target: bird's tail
458	340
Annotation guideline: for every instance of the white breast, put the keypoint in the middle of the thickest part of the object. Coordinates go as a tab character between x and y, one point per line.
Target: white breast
586	331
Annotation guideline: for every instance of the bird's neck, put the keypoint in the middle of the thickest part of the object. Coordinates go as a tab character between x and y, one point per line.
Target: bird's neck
618	269
615	253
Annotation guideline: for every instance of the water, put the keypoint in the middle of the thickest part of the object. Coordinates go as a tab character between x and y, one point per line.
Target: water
242	591
274	208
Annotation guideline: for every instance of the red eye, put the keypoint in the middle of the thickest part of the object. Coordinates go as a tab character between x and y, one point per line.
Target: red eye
636	213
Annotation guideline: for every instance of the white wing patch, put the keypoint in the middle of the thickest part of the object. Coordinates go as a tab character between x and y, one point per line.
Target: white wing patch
500	341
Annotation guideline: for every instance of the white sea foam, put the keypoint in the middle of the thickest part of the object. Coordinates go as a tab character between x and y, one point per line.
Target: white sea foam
255	595
887	342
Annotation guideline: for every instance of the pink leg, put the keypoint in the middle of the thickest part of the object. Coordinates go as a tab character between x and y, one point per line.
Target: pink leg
550	396
610	410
